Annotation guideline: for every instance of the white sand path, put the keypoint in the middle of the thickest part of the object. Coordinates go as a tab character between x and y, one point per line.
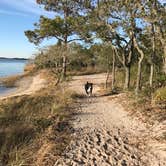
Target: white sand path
106	135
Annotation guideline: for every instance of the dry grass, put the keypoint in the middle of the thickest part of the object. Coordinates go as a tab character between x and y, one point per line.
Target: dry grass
35	125
152	107
29	68
143	107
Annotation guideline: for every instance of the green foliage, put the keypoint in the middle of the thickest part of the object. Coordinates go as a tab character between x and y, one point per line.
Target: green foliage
65	24
160	80
79	58
50	57
103	55
124	26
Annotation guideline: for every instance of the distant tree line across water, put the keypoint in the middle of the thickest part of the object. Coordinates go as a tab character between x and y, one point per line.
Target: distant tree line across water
4	58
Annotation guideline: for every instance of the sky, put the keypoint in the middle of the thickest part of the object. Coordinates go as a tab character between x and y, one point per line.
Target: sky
16	17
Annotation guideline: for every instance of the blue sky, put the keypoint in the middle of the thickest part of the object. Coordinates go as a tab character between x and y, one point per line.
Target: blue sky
17	16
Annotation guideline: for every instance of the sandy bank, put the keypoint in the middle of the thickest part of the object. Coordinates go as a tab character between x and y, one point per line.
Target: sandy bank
26	86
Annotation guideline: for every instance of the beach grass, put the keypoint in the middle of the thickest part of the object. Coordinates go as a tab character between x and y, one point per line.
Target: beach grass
32	125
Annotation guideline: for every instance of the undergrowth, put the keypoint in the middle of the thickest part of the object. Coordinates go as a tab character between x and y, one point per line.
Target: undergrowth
150	103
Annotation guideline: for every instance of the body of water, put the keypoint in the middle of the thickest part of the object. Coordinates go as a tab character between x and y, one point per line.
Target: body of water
9	67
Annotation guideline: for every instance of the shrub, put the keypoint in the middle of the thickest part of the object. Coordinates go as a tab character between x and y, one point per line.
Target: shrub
159	96
160	80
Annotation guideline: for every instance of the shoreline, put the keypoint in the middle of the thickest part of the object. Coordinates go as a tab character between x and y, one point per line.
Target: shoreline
25	85
4	90
8	84
20	86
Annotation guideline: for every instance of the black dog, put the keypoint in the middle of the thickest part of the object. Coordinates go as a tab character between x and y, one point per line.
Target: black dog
88	88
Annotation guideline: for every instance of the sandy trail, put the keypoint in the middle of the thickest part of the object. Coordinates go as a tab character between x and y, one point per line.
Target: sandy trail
26	86
105	135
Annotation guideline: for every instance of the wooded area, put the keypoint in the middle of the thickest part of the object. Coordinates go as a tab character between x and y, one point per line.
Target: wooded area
105	35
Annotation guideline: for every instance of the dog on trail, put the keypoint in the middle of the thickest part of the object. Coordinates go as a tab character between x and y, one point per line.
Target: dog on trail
88	88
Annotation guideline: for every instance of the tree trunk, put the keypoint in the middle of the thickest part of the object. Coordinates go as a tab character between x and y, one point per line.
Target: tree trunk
64	63
138	83
151	75
164	65
152	57
127	77
108	71
113	72
107	78
127	65
163	42
64	66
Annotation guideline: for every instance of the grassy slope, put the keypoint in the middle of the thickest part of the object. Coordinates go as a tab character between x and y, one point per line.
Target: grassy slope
33	126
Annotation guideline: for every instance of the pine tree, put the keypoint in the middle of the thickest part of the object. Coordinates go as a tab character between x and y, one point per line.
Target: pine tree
65	26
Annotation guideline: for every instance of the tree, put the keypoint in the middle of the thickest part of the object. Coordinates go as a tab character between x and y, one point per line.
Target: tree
125	25
160	24
155	15
115	22
50	57
98	21
65	26
105	58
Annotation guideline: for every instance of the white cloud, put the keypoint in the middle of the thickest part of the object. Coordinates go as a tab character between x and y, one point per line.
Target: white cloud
6	12
25	6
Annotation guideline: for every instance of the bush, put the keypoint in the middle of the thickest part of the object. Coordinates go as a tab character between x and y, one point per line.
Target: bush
160	80
159	96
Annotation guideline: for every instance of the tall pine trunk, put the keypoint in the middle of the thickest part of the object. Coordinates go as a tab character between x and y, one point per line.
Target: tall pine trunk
64	65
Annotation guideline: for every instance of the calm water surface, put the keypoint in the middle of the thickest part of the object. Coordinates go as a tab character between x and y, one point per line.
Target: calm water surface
8	68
